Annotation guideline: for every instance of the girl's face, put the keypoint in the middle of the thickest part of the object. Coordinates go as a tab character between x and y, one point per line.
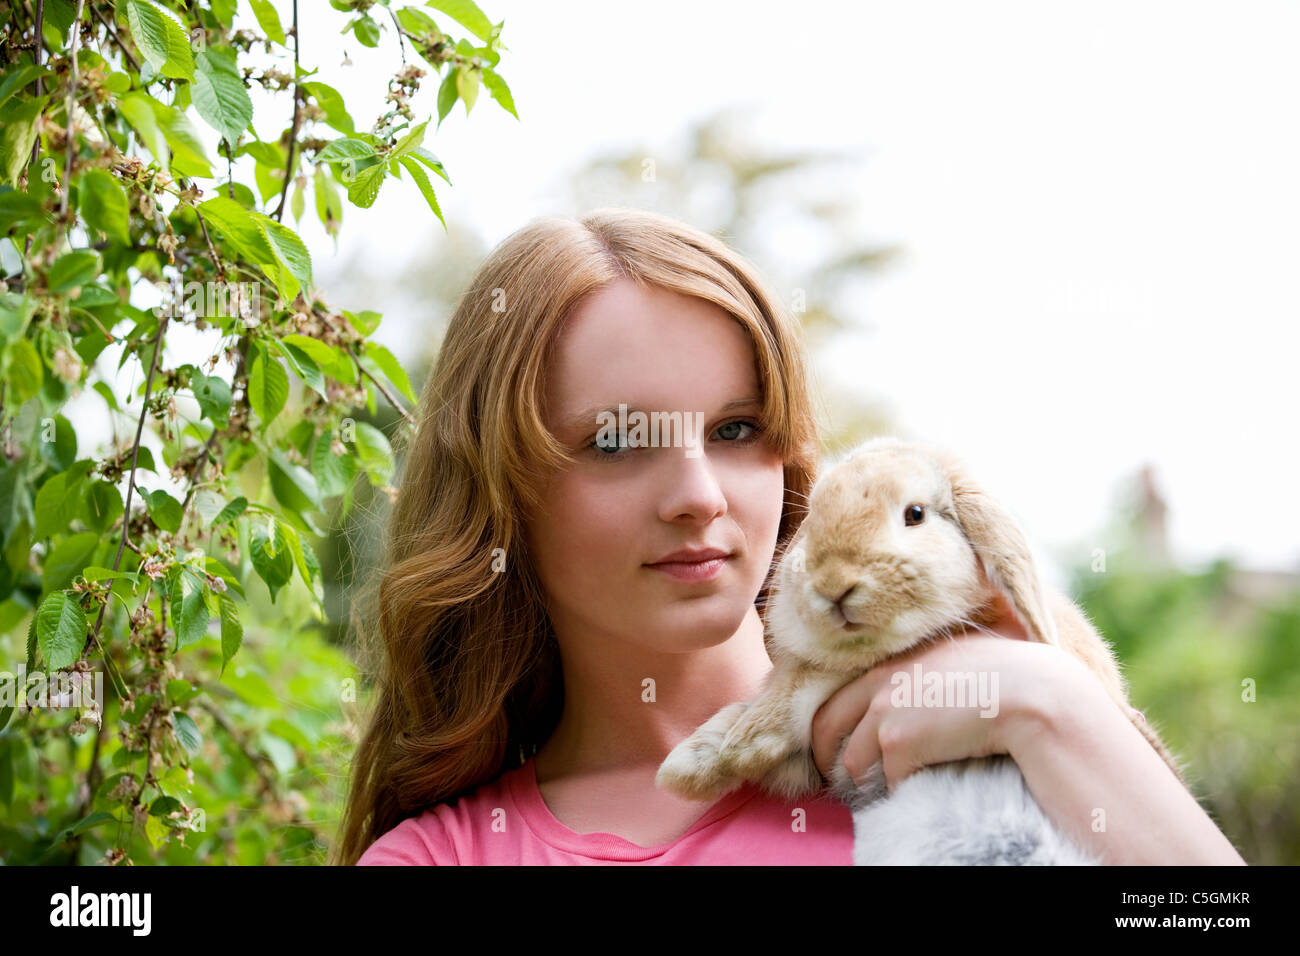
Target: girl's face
624	505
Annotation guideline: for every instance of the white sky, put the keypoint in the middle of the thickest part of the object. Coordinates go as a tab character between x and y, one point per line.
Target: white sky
1098	202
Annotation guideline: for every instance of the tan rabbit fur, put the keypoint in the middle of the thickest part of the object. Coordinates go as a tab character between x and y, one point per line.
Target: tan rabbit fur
899	582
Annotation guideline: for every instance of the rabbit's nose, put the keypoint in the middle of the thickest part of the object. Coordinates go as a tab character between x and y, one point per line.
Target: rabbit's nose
836	601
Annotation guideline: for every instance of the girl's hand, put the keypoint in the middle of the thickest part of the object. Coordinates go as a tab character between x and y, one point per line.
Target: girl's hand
1081	757
1006	669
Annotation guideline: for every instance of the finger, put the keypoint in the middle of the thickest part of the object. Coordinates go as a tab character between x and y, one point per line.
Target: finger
837	717
863	748
843	711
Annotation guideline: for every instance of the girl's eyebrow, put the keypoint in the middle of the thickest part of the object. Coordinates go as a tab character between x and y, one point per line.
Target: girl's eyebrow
588	418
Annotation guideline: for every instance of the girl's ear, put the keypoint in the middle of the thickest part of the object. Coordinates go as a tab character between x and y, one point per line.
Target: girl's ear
1003	551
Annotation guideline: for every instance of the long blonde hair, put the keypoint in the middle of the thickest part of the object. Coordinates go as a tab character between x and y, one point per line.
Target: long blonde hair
466	670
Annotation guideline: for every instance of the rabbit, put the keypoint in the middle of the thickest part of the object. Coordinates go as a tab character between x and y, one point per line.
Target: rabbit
899	547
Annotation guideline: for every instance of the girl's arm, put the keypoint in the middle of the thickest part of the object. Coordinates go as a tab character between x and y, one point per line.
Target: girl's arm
1078	752
1097	778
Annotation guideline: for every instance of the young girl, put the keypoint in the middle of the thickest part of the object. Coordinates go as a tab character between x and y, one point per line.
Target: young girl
567	597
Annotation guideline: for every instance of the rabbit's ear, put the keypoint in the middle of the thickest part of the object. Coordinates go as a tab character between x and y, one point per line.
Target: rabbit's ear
1004	552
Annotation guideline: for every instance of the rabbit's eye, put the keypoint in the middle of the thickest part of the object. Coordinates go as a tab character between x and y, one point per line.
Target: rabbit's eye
913	514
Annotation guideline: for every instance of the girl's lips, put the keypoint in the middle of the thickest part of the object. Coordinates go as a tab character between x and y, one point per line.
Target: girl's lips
691	570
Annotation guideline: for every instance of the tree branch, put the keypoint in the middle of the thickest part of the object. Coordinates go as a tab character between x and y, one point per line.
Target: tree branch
71	102
114	37
297	117
130	484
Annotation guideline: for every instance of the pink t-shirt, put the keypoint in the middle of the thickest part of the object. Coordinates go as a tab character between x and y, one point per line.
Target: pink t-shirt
506	823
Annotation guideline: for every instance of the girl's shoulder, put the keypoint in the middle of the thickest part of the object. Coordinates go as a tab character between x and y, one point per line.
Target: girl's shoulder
430	838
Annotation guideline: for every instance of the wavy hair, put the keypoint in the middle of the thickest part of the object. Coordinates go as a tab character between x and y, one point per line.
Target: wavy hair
464	663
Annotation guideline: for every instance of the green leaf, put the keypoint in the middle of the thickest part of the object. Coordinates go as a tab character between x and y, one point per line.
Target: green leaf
232	631
304	365
224	11
260	239
62	451
326	356
135	106
294	486
17	135
365	186
467	86
58	16
108	574
23	371
18	78
218	569
344	149
268	20
214	397
366	30
189	611
61	630
271	557
467	14
307	569
140	708
187	732
334	473
268	154
82	825
408	142
73	269
288	249
330	100
447	93
238	226
391	368
101	506
104	205
17	209
432	161
364	322
220	96
187	157
426	188
268	387
375	452
68	559
231	511
500	92
53	507
164	510
417	22
161	38
180	691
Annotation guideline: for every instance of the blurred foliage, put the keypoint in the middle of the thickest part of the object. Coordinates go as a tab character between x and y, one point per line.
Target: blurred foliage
1213	660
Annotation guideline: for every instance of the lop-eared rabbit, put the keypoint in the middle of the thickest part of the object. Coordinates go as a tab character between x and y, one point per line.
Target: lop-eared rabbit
899	547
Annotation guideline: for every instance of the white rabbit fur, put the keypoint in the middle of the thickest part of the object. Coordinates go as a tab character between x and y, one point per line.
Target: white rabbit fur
914	581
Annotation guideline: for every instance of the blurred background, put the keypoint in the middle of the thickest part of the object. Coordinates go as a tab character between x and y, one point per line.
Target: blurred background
1058	238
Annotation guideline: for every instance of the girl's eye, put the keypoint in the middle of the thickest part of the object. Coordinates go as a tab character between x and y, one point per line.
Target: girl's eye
612	452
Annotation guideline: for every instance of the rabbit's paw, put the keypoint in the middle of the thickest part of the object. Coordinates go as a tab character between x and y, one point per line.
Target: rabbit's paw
694	768
759	739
